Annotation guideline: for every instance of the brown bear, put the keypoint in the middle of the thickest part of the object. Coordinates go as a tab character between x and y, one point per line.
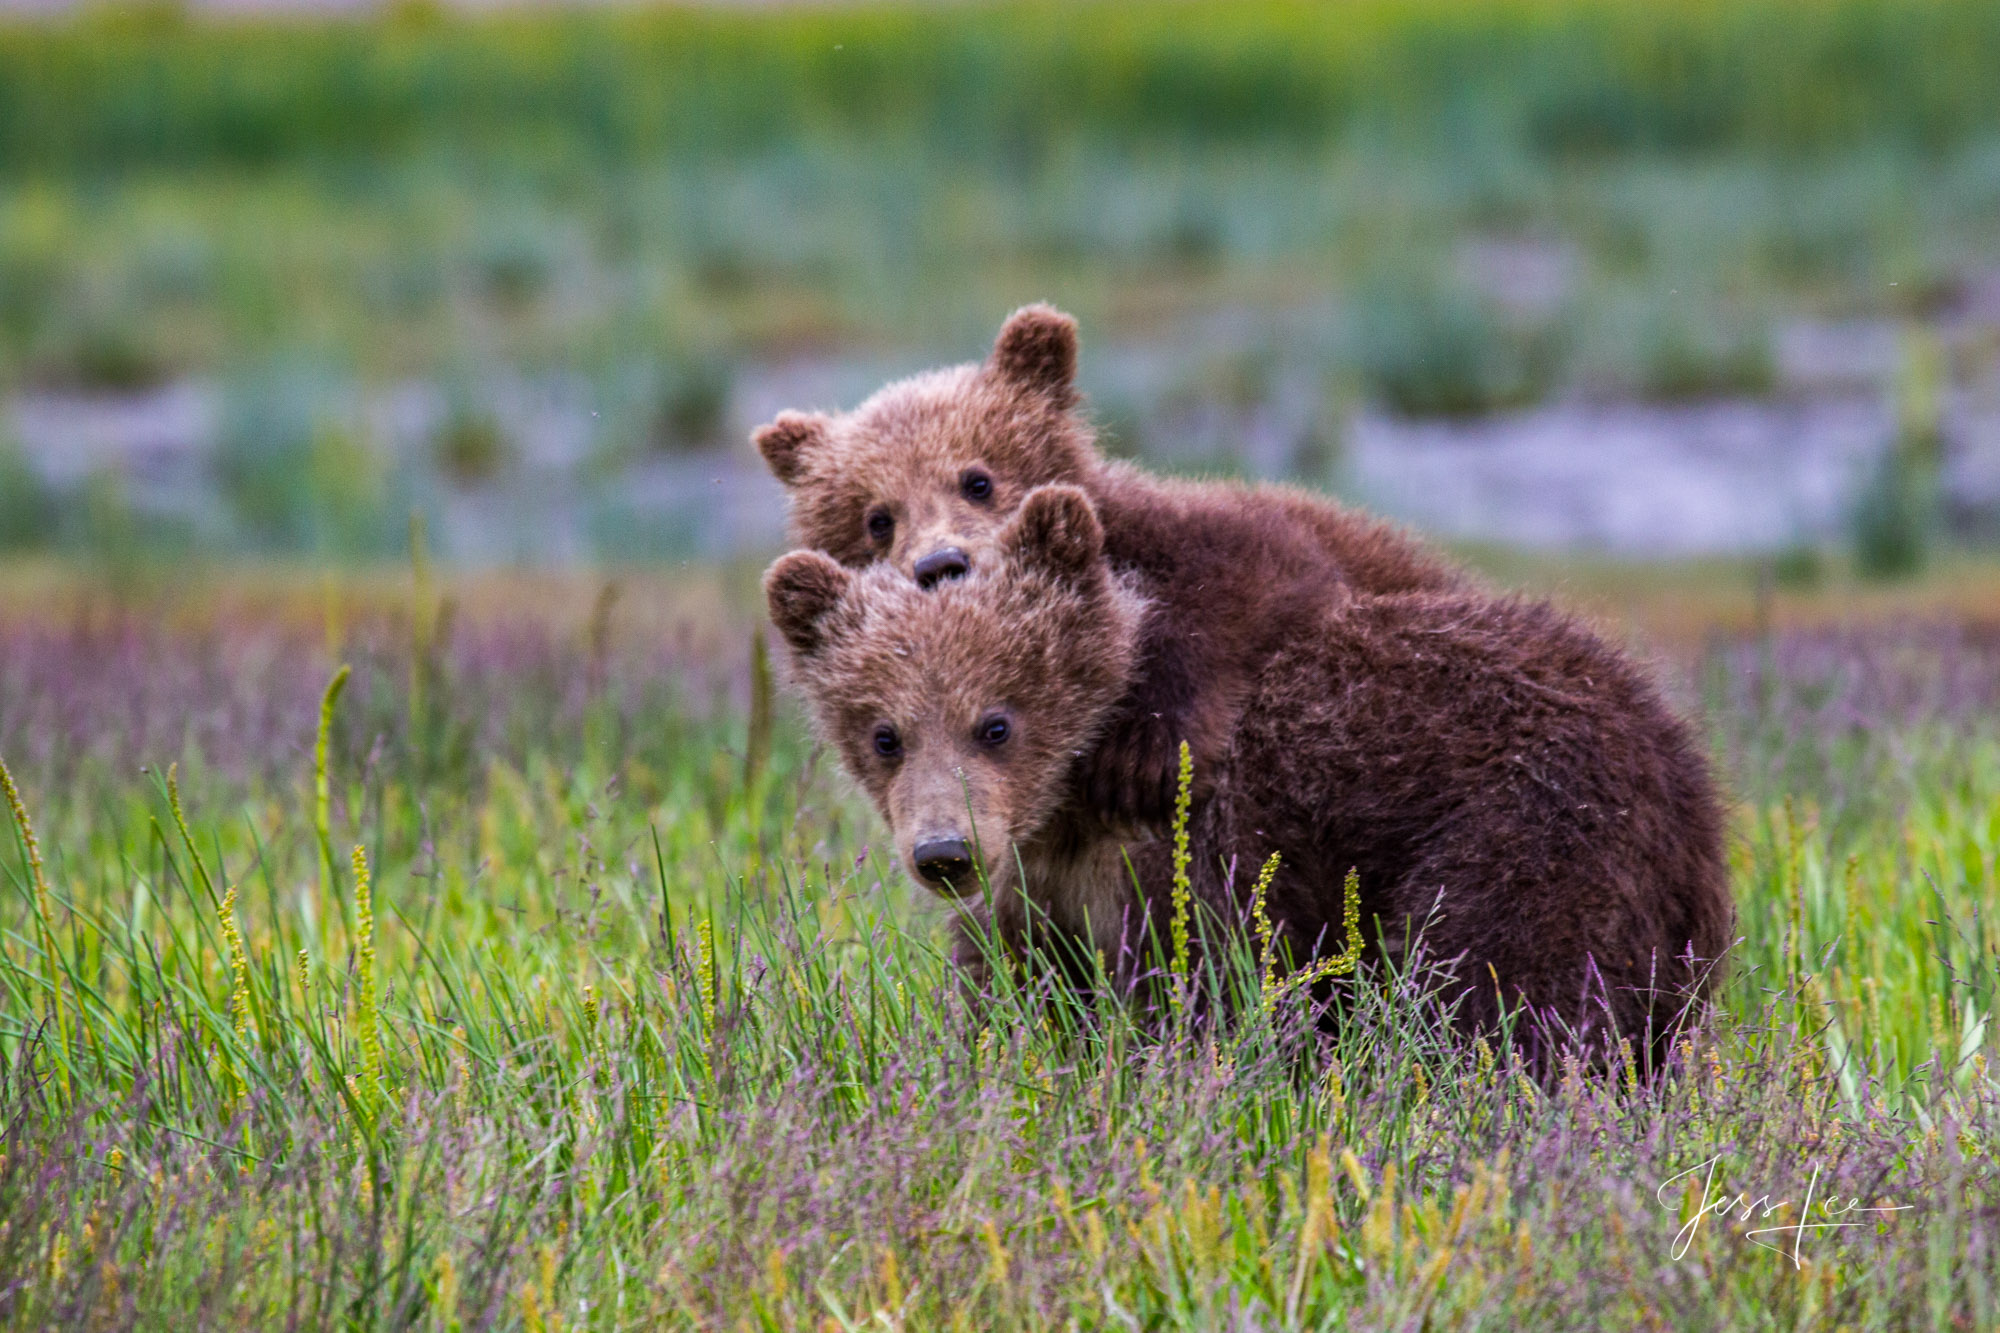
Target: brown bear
1496	773
926	473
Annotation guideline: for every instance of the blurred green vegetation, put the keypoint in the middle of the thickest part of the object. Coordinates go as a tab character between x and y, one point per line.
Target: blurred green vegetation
997	84
1433	208
389	192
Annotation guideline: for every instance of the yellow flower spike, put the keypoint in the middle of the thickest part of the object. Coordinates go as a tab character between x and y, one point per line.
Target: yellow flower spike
892	1280
1350	917
239	984
531	1309
1336	1088
1530	1096
1378	1229
1433	1271
44	913
180	822
1356	1173
996	1254
445	1282
1094	1239
20	812
1319	1174
1343	963
1319	1227
366	1016
1201	1215
548	1267
1183	887
705	983
705	976
1258	896
1059	1197
461	1070
239	967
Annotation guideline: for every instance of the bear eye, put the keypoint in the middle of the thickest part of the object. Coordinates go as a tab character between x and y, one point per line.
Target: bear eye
994	731
976	486
880	524
887	743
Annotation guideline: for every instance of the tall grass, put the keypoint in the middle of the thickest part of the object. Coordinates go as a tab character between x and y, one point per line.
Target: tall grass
626	1032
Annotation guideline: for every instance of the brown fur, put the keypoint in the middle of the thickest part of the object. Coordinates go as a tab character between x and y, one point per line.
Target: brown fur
1488	765
1232	567
1494	760
1043	634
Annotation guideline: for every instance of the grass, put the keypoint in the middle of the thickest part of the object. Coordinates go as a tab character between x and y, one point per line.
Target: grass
633	1026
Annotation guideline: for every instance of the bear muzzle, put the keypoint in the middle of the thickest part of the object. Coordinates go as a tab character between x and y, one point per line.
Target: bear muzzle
935	568
945	862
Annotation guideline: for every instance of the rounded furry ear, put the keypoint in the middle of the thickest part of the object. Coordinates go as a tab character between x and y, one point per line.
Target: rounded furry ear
800	589
787	441
1056	530
1036	349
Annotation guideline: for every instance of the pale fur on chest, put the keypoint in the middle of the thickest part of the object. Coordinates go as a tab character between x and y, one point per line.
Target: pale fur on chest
1085	891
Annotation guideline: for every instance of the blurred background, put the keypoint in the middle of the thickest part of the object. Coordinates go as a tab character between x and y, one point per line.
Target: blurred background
1602	277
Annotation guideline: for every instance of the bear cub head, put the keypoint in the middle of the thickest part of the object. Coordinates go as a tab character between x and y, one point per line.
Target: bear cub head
960	710
925	475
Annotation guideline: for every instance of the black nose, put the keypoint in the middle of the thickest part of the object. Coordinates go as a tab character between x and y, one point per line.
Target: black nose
950	563
943	861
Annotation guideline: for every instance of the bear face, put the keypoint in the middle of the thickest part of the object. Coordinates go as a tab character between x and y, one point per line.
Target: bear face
926	474
1492	772
961	709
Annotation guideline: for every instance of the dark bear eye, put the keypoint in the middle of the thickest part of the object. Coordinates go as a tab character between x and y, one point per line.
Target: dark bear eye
976	486
887	743
994	731
880	525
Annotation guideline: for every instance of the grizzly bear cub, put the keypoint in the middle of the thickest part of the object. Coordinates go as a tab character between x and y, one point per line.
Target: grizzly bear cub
925	474
1499	777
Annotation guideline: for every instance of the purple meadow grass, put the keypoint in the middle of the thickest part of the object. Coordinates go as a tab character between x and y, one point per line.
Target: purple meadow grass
699	1079
110	689
1833	712
1890	676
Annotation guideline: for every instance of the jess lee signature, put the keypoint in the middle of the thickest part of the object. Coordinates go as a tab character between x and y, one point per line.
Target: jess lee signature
1723	1204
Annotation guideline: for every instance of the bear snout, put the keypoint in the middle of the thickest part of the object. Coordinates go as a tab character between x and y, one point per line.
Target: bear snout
949	563
944	861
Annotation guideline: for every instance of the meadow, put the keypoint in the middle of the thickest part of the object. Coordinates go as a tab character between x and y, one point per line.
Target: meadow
389	946
536	971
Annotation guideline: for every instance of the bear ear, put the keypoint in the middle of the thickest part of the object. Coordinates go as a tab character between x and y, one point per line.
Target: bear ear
1036	349
787	441
800	589
1056	530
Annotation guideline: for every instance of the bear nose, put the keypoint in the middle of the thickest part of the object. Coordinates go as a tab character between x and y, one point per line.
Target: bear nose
943	860
950	563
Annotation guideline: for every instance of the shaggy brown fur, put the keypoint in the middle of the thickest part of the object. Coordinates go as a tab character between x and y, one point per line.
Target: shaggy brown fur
1496	764
1488	766
1042	635
941	461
